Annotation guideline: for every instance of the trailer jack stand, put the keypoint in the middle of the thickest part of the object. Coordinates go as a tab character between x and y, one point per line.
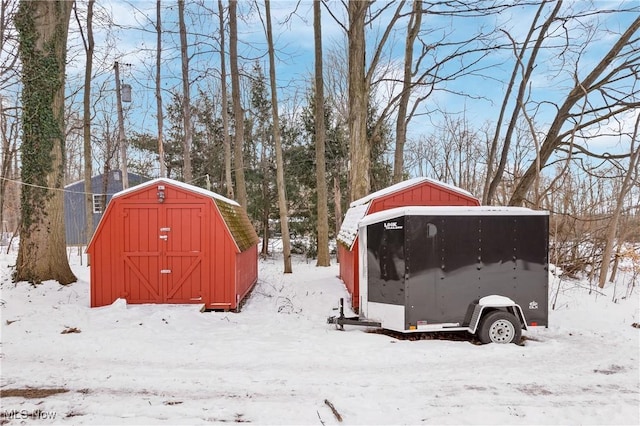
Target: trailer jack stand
341	320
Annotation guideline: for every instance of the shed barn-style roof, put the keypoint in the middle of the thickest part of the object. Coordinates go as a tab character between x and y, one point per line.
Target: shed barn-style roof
238	223
359	208
232	213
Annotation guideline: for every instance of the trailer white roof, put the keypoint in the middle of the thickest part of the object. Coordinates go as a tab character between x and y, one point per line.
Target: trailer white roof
358	208
450	211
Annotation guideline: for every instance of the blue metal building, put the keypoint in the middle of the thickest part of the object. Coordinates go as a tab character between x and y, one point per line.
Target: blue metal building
103	187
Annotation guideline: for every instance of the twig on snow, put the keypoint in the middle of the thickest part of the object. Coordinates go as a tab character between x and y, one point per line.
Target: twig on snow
333	409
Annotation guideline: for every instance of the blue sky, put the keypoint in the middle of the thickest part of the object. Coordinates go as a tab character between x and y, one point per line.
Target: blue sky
132	40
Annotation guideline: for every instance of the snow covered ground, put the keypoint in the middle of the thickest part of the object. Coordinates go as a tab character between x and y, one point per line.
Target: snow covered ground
277	361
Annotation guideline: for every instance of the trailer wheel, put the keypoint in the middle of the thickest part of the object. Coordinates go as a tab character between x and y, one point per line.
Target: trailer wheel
500	327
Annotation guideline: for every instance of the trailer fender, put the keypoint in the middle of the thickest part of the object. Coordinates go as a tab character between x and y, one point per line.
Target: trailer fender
493	302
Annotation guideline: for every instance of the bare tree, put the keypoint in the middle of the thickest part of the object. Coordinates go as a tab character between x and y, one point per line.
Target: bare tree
9	136
159	110
321	172
225	101
9	111
43	29
241	186
401	122
89	45
358	101
122	139
451	153
419	73
186	96
604	80
492	180
612	227
282	197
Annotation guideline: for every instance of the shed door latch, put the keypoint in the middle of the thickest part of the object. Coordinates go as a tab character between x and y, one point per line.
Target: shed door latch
165	229
164	237
165	271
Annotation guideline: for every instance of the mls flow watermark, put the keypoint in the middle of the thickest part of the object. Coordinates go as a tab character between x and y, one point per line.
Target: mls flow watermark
28	414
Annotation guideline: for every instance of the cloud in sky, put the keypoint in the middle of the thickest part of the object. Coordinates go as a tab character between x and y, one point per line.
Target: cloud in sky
126	33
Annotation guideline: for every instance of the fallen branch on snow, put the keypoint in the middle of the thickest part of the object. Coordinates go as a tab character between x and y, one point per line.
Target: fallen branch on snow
333	409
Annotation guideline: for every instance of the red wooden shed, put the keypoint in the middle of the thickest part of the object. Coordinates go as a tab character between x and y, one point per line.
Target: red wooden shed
165	241
420	191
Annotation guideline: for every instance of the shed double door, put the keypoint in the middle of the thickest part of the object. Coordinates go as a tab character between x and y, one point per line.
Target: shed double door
163	252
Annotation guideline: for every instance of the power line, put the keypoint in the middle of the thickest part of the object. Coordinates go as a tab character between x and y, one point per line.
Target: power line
18	182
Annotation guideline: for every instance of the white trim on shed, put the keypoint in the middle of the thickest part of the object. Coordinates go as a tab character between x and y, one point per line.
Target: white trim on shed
359	208
185	186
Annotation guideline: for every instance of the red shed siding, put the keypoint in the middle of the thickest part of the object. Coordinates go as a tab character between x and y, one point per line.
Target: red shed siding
426	193
178	251
349	270
246	271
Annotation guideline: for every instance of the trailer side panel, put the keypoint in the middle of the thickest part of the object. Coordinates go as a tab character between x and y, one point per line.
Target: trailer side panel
451	261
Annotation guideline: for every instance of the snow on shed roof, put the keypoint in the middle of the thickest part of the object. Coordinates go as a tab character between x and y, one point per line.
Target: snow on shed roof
358	208
232	213
349	228
407	184
185	186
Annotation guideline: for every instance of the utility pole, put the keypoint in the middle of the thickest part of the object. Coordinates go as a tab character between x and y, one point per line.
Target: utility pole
121	139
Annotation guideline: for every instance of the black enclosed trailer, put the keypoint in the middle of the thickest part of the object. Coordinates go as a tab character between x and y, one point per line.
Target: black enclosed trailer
478	269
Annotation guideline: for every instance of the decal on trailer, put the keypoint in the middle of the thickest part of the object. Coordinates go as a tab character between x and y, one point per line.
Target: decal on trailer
392	225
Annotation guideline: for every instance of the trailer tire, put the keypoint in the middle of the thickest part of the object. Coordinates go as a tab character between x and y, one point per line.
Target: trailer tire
500	327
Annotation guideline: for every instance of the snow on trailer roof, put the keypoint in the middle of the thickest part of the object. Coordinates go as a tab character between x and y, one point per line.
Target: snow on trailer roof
358	208
450	211
182	185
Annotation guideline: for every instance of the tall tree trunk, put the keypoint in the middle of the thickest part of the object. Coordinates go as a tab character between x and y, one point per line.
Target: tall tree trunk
241	186
321	169
187	174
282	196
337	205
266	202
624	190
42	254
122	143
225	101
358	102
88	158
401	125
159	111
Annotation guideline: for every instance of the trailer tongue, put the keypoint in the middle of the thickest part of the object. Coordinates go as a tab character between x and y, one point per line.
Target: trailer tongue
483	270
340	321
